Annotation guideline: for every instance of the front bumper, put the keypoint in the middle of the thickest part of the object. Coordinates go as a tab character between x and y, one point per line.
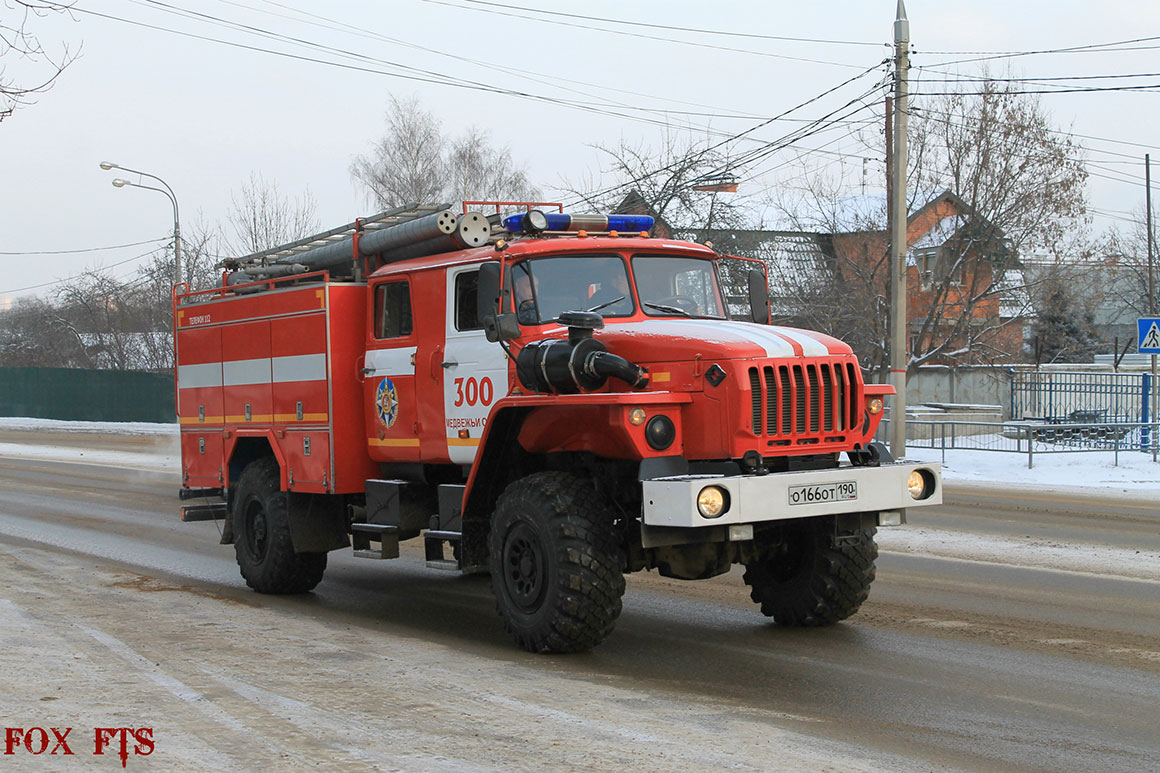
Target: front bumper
672	501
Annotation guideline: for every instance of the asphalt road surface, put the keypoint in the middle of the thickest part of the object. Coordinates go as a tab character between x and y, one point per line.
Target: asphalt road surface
1004	632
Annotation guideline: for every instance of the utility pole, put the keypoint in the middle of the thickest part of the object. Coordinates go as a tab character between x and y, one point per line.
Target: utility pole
898	325
1151	288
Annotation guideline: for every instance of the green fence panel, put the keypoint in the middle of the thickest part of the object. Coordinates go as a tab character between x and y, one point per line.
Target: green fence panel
87	395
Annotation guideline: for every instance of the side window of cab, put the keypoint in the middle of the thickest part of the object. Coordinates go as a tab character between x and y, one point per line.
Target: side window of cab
393	310
466	301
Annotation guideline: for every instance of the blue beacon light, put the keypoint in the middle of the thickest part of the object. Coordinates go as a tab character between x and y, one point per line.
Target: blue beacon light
564	222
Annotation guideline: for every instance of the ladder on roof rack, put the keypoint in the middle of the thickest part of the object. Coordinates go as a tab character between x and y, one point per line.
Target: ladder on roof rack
384	219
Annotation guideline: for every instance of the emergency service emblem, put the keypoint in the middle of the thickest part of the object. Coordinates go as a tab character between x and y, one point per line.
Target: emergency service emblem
387	403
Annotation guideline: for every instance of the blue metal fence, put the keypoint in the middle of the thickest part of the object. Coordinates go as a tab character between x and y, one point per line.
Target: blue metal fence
1068	396
1053	397
1029	438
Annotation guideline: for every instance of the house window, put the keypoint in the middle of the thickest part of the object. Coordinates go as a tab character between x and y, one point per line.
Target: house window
927	261
936	265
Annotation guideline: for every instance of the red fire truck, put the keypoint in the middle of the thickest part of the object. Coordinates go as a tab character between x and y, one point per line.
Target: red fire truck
555	399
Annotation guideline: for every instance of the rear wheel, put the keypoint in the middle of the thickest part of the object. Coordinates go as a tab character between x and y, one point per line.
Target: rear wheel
810	576
262	543
555	561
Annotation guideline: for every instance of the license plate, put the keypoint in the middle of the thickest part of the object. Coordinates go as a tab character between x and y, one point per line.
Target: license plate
824	492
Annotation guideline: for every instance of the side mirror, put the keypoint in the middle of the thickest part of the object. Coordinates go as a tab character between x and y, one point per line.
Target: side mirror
487	292
497	327
758	297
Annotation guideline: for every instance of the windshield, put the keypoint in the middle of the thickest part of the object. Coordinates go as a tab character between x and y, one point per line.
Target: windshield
666	286
544	288
687	286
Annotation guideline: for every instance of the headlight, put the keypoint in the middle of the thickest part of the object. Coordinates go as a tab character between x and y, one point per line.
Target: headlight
712	501
920	484
636	417
660	432
874	405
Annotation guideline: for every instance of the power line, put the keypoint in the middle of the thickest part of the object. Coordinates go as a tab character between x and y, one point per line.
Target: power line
87	249
1089	48
730	49
1152	87
324	22
957	78
929	111
1042	51
417	74
735	137
74	276
422	76
167	7
627	23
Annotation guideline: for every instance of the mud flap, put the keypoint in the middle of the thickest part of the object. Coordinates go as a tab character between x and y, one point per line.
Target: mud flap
317	522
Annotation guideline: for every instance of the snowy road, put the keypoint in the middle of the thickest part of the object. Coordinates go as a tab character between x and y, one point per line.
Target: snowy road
1004	631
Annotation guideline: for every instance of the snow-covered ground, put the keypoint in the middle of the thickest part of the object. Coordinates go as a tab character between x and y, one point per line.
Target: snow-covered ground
1136	474
66	441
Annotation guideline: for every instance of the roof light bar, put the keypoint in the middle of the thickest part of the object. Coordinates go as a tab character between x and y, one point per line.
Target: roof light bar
563	222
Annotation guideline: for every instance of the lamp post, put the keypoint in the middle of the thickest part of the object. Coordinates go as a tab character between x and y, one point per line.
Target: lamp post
119	183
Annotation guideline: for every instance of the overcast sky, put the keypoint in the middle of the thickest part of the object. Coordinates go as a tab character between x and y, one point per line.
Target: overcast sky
204	116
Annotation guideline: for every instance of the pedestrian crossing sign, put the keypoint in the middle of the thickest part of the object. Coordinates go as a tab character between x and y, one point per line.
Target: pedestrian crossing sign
1148	340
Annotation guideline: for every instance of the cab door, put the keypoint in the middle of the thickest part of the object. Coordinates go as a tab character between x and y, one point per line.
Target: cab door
475	371
389	370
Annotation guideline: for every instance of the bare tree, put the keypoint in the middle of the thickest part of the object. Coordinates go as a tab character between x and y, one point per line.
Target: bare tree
94	309
1021	184
667	178
475	169
98	321
1127	251
415	162
32	334
18	41
263	217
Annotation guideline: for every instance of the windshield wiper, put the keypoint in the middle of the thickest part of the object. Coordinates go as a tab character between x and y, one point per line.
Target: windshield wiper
607	304
666	309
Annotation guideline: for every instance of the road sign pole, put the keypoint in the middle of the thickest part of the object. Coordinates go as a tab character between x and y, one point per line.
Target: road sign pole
1151	297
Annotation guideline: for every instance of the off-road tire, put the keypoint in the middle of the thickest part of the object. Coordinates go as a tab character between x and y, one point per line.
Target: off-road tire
262	543
810	579
556	565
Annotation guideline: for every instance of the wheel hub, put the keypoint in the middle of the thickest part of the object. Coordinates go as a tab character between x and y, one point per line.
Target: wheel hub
524	570
257	533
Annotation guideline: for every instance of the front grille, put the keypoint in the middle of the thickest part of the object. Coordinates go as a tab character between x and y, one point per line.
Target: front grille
802	399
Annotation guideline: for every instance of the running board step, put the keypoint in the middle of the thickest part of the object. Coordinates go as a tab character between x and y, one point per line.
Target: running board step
433	540
209	512
362	535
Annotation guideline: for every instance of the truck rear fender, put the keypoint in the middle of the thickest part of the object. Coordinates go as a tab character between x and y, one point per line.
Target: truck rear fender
317	521
241	449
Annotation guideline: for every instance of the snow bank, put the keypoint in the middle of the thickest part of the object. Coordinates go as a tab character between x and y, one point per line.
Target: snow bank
1136	473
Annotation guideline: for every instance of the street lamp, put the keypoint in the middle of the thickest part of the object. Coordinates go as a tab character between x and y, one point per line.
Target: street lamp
120	183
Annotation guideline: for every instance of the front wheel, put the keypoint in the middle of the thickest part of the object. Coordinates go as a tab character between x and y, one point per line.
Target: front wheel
555	561
263	547
808	575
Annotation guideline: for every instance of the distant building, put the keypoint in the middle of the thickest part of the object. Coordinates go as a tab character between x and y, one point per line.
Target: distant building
964	286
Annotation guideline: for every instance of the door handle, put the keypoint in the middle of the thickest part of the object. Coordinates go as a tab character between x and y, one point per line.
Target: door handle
448	364
367	371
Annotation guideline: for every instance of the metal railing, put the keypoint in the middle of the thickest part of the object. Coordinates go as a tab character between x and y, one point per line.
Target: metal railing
1030	437
1079	397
